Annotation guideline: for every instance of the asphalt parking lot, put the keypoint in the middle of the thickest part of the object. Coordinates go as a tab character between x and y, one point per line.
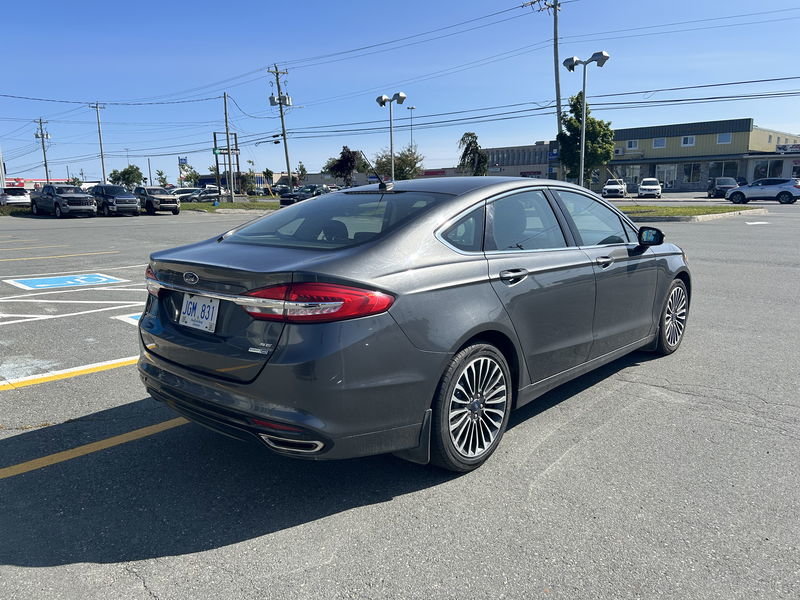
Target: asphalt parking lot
649	478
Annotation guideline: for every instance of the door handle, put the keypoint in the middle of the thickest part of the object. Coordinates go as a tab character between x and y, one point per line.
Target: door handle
604	261
513	276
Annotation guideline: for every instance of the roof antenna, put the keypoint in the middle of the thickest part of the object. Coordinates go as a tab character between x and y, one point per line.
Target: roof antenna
382	185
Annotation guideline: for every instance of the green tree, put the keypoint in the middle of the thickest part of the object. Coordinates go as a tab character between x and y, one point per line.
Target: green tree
473	160
188	175
343	167
302	173
161	177
599	140
76	181
129	177
213	170
407	164
268	175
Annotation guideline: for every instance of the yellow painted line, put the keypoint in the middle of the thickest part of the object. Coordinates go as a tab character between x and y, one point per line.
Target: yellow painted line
13	384
33	247
52	459
59	256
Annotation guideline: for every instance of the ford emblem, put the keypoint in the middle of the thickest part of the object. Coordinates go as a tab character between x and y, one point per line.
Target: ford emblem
190	278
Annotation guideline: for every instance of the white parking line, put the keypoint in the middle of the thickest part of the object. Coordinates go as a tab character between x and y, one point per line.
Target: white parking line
122	288
75	314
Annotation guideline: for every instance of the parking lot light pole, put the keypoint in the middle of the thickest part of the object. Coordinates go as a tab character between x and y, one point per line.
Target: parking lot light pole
383	100
600	58
411	113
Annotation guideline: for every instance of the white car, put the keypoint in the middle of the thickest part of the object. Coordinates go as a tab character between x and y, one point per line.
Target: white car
15	195
616	188
649	186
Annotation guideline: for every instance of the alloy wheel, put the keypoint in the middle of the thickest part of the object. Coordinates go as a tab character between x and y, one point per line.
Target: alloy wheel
477	407
675	315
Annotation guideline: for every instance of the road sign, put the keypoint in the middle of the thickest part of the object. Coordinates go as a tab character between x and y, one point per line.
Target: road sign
225	151
183	161
64	281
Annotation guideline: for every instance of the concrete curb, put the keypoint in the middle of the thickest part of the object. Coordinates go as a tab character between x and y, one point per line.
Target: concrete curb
697	218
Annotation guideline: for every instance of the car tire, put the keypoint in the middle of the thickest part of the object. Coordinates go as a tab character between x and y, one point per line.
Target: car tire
104	209
673	317
34	209
471	408
57	212
785	198
150	208
738	198
176	211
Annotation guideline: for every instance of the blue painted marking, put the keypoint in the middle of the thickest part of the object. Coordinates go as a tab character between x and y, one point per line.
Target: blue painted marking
64	281
131	319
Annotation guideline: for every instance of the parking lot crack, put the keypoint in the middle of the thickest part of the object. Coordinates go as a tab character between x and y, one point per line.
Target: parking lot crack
141	579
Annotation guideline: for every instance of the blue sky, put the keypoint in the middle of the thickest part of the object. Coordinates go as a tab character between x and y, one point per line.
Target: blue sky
185	52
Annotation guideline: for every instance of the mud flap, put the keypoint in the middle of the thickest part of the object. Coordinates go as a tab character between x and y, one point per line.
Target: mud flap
422	453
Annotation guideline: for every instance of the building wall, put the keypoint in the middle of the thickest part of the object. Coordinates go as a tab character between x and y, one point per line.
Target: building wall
765	140
682	146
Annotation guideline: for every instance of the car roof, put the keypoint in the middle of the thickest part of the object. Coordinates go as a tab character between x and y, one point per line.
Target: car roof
463	185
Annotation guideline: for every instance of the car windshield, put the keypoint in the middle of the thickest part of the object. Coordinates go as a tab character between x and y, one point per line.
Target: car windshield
157	191
15	191
613	182
336	220
116	189
726	181
68	189
649	181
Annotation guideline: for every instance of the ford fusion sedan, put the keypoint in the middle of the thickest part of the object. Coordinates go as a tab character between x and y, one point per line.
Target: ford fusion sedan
63	201
785	190
409	319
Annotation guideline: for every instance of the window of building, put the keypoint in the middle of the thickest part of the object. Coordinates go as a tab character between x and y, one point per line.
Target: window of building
523	221
691	172
768	168
687	140
778	140
659	142
724	138
729	168
630	173
667	174
769	138
633	144
796	171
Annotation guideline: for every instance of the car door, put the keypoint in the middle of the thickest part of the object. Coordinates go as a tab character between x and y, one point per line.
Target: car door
757	190
545	282
48	198
625	272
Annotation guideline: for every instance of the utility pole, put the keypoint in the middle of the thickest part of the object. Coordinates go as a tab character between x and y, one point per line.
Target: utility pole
412	109
43	135
97	106
149	172
228	144
2	170
83	177
281	101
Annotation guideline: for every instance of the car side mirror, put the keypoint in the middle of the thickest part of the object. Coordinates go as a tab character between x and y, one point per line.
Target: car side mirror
650	236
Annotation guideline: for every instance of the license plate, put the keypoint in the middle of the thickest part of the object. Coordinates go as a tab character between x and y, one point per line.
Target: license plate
199	312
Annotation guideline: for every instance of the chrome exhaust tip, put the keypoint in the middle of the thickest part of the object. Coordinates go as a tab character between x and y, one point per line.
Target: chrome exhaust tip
288	445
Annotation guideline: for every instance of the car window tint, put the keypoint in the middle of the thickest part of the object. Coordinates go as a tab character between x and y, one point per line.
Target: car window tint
523	221
337	219
596	224
467	233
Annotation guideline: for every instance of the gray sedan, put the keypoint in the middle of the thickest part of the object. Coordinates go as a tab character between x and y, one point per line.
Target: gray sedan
409	320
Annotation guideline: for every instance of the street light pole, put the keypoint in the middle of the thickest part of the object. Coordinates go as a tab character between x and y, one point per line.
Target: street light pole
412	109
383	100
600	58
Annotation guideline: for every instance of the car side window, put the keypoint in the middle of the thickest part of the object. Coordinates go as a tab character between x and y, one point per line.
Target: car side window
467	233
523	221
633	235
596	224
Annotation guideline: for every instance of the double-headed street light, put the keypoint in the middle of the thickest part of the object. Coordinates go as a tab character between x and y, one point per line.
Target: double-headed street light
600	58
399	97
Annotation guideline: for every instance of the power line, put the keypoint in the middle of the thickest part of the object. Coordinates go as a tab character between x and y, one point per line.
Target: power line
13	97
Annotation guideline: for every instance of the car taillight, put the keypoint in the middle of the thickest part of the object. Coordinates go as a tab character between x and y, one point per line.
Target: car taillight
274	425
315	302
152	281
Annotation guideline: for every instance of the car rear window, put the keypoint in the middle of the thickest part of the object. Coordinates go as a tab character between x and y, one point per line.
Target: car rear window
726	181
15	191
336	220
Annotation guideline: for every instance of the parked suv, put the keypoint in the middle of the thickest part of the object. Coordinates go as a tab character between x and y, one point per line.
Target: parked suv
185	191
15	195
64	200
157	198
719	186
649	186
785	190
304	193
115	200
615	187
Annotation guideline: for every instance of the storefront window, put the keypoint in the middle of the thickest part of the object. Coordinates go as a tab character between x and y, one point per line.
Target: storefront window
667	174
630	173
768	168
691	172
796	170
728	168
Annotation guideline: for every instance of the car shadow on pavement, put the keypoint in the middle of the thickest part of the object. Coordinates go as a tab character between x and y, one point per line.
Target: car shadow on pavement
187	489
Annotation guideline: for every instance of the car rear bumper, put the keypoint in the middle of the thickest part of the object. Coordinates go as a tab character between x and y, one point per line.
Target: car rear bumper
354	388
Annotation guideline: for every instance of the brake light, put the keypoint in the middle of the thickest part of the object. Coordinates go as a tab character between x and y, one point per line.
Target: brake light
315	303
152	281
274	425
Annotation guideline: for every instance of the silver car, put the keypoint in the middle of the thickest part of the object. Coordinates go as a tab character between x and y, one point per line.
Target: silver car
410	319
785	190
15	195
